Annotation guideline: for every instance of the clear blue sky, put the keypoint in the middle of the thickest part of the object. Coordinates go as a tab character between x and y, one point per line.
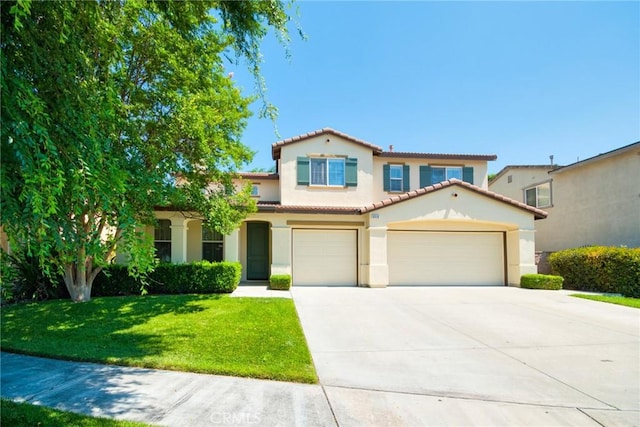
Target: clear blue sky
522	80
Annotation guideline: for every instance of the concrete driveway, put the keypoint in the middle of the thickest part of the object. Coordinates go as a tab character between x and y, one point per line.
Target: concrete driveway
472	356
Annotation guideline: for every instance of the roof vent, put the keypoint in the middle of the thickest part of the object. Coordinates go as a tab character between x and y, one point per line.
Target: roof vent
390	148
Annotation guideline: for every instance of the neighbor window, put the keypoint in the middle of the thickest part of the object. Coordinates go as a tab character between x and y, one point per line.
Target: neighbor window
254	190
327	172
395	177
162	240
212	245
538	196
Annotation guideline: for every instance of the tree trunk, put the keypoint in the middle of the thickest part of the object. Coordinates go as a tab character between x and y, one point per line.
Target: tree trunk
79	280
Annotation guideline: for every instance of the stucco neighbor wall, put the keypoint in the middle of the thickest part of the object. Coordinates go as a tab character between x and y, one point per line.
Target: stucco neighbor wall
596	203
522	177
328	145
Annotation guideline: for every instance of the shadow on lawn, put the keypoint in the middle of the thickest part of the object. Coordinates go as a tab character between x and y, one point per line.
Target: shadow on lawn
101	330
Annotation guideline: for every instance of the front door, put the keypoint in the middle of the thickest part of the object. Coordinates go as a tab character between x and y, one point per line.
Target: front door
257	251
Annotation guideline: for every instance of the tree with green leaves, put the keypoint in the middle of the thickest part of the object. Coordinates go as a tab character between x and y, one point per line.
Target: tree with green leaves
111	109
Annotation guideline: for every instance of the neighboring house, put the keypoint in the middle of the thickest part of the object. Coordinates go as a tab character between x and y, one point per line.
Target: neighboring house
341	211
591	202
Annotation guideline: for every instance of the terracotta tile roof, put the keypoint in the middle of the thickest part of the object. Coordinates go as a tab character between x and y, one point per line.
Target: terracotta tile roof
343	210
278	208
539	213
259	175
277	146
406	155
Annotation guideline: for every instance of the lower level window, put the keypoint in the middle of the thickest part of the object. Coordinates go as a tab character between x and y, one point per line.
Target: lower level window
212	245
162	240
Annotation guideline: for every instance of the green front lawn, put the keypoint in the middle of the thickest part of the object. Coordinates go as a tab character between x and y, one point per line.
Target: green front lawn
629	302
249	337
25	414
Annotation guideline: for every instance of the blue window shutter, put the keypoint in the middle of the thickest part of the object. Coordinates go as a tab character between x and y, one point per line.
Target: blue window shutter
386	178
467	174
425	176
303	171
405	178
351	172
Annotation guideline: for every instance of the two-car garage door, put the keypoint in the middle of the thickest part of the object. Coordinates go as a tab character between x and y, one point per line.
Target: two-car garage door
325	257
445	258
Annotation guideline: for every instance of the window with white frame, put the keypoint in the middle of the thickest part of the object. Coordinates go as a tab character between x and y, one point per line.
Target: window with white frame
395	177
212	245
443	173
538	196
328	171
162	240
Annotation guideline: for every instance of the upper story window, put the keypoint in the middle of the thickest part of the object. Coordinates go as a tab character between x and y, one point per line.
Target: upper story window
254	190
538	196
162	240
327	171
396	178
430	175
212	245
439	174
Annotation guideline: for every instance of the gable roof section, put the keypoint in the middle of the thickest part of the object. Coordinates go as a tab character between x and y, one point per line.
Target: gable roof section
510	167
278	208
277	146
602	156
538	213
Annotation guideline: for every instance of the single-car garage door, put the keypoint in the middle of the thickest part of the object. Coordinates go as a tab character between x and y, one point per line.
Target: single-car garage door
325	257
445	258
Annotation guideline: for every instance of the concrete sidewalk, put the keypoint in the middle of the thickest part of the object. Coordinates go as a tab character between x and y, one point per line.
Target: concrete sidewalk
162	397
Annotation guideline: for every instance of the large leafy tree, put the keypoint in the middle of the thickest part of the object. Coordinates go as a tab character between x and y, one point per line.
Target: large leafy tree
112	108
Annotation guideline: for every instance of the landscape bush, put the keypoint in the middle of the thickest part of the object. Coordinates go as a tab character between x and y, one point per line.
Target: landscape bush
599	269
281	282
541	281
201	277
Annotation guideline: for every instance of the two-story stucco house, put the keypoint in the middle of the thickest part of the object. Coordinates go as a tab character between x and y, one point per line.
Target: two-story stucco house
341	211
595	201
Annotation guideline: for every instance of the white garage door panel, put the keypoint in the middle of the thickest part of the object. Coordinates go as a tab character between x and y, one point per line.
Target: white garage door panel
324	257
445	258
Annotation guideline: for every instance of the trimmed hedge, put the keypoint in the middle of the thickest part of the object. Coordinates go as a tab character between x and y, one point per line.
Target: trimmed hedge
193	278
280	282
599	269
541	281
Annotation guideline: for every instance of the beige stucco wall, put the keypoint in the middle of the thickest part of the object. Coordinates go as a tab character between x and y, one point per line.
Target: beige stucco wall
328	145
479	172
594	204
521	178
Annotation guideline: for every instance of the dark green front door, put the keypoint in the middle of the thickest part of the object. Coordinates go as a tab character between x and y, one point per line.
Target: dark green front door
257	250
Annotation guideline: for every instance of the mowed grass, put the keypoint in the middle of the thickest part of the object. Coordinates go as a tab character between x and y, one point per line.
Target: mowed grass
612	299
25	414
217	334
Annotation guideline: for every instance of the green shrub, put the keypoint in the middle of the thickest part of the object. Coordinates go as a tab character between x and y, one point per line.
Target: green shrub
281	282
193	278
541	281
599	269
